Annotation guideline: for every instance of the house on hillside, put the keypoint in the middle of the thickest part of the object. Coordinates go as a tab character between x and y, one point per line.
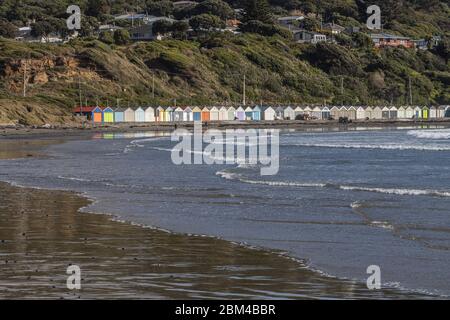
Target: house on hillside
382	40
183	4
25	34
305	36
333	28
290	20
145	32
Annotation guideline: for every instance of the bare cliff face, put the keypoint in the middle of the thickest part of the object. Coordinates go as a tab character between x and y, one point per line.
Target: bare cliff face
39	75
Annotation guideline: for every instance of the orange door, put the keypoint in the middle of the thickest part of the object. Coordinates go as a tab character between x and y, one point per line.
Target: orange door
205	116
97	117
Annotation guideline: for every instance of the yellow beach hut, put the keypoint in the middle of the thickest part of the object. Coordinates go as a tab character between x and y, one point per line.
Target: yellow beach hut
368	112
108	115
425	113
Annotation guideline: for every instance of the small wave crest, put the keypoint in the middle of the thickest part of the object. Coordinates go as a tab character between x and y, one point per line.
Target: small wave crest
398	191
373	146
431	134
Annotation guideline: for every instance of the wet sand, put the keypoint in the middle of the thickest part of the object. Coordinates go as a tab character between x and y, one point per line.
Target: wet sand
42	233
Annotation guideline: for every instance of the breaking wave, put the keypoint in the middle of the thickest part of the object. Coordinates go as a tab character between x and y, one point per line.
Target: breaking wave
398	191
430	134
380	146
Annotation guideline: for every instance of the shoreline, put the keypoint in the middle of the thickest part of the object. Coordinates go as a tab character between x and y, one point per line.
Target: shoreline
68	131
313	278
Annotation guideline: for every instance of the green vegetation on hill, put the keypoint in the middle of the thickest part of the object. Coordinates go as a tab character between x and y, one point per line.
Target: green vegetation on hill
211	69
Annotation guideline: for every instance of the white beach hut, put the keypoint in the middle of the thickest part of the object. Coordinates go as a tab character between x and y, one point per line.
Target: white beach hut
187	115
352	113
150	114
401	113
231	113
393	113
178	114
298	112
325	113
360	113
417	112
377	113
289	113
307	111
223	114
385	113
343	112
409	112
214	114
249	113
129	115
317	113
269	114
368	112
335	112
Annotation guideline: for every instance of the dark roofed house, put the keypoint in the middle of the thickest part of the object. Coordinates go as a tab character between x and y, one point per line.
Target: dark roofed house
382	40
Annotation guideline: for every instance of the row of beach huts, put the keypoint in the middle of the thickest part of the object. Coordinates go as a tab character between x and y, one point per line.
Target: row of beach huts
101	115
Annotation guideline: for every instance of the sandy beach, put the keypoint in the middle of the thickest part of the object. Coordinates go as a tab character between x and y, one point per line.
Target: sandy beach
42	233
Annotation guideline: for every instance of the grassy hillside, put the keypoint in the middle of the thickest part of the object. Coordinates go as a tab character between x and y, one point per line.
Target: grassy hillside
212	71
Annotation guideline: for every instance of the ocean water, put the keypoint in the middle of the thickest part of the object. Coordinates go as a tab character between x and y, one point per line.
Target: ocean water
342	200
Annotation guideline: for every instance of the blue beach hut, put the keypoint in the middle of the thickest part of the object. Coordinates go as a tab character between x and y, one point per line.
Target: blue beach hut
119	115
256	114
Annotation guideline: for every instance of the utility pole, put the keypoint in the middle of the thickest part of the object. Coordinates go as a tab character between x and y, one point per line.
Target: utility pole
244	101
79	93
410	91
25	80
153	86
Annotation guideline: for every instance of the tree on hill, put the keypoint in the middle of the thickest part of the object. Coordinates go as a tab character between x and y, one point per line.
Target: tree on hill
215	7
258	10
206	22
7	30
121	37
42	29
